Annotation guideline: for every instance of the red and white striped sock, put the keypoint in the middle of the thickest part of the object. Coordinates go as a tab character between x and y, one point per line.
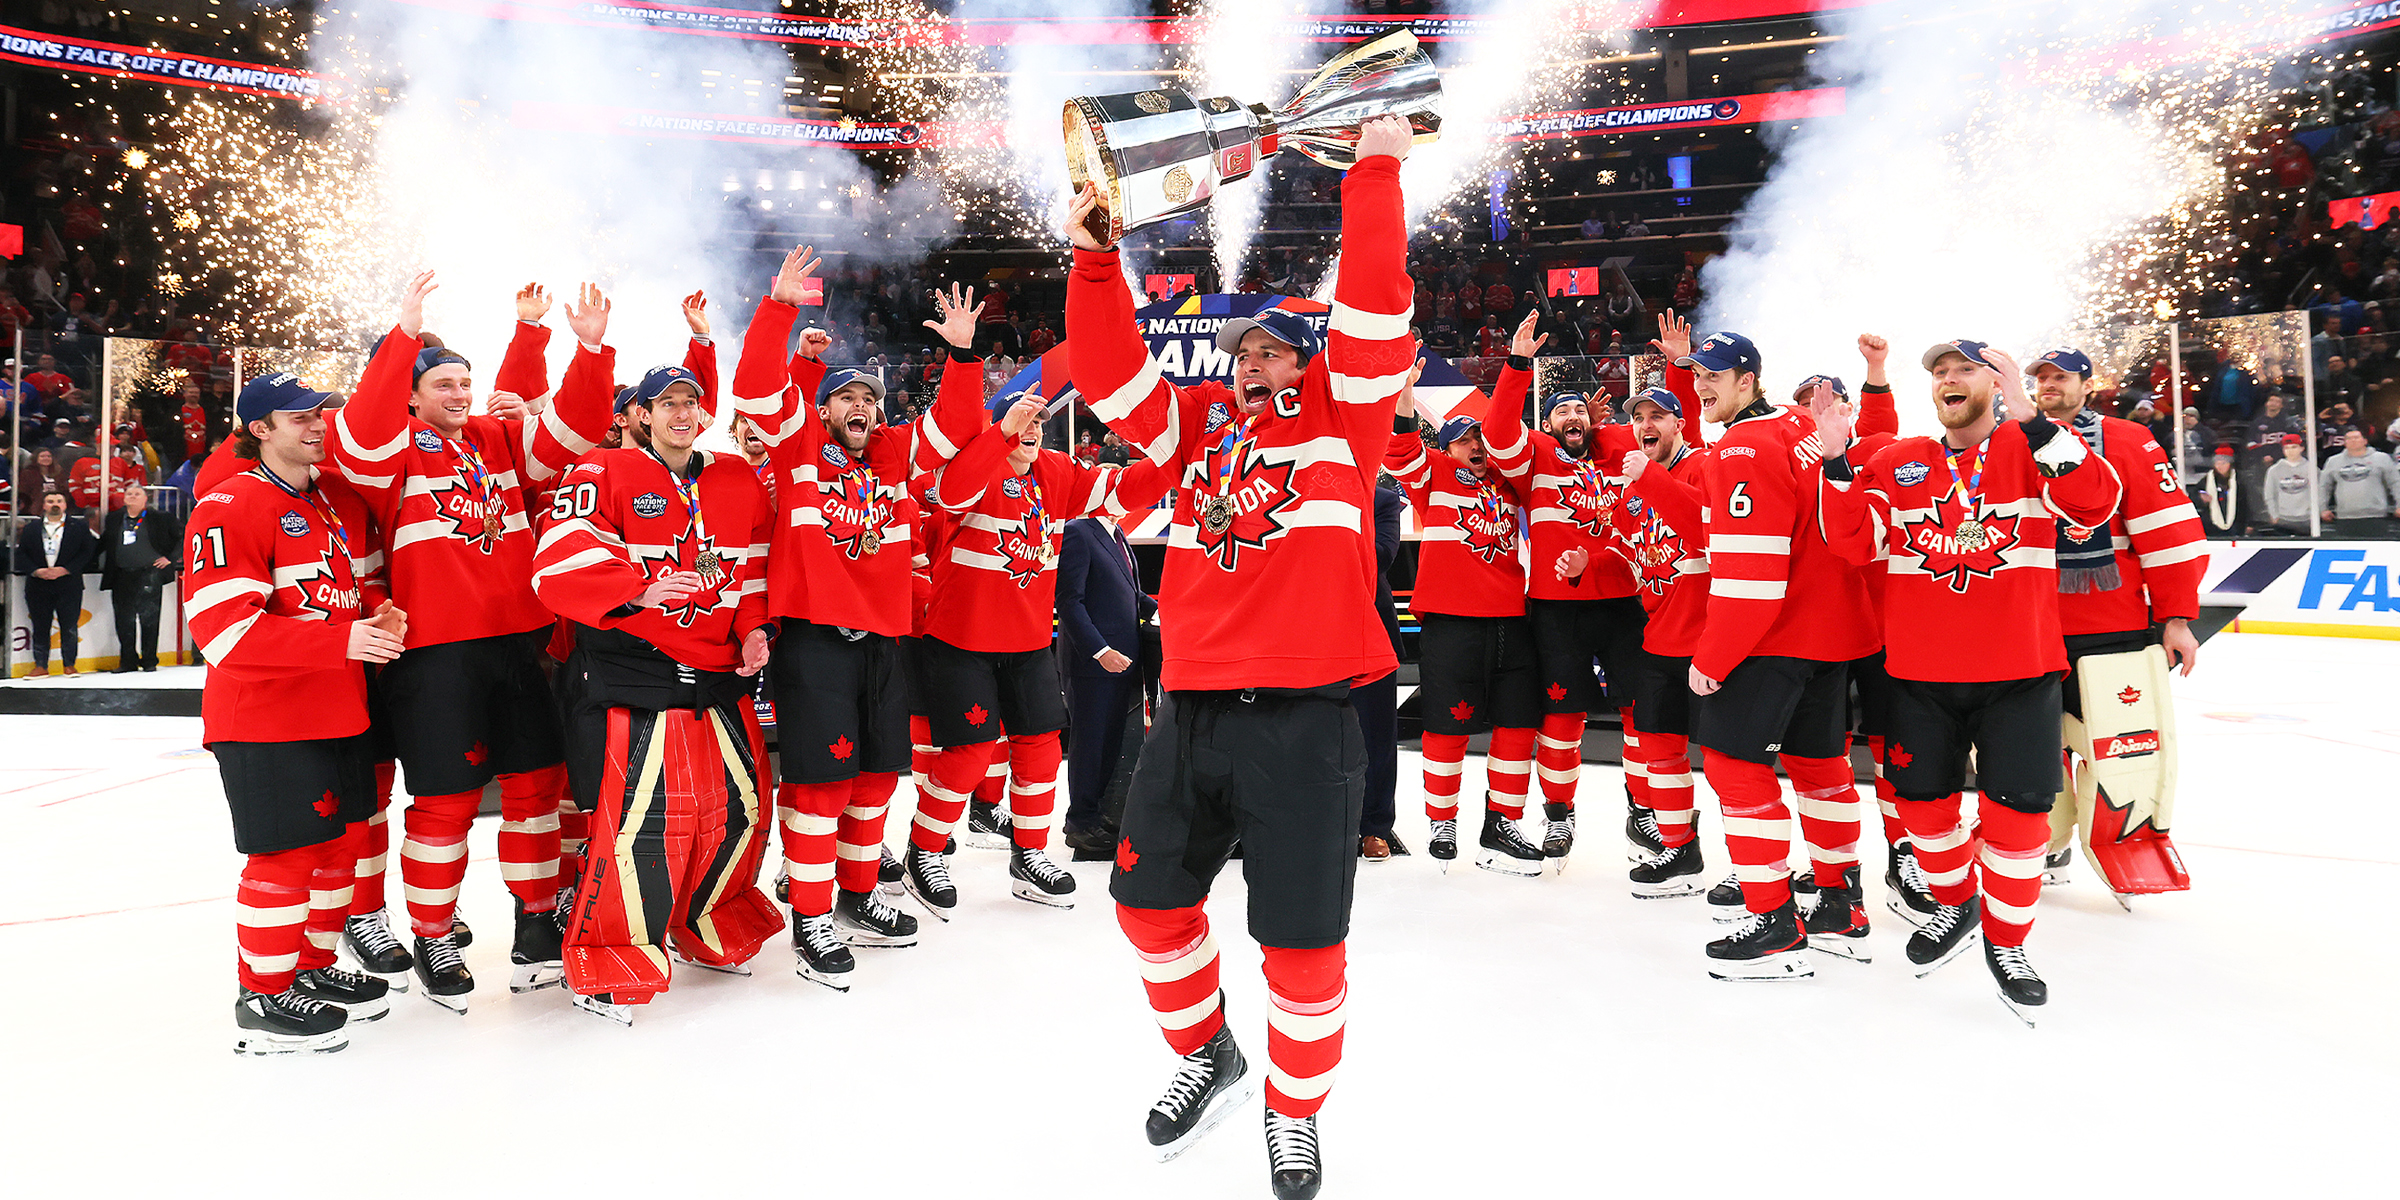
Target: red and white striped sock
1758	829
330	894
1636	763
994	788
1033	787
858	844
1445	760
1179	971
1558	757
921	751
574	837
1827	791
811	816
1307	989
366	883
951	776
1886	799
2013	846
1944	844
271	917
1508	772
1670	775
529	803
433	858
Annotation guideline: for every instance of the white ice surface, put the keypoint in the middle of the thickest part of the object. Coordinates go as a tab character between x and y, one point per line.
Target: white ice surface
1506	1037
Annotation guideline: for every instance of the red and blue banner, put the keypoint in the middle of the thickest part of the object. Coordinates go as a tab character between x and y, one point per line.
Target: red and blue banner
25	47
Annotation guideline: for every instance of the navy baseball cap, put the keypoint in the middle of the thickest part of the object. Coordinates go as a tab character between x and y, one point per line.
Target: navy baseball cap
1809	384
1283	325
279	392
1454	429
657	380
434	356
2068	359
1551	402
839	378
1723	351
625	398
1972	351
1658	396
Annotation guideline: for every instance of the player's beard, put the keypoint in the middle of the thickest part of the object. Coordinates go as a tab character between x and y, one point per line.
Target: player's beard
1964	414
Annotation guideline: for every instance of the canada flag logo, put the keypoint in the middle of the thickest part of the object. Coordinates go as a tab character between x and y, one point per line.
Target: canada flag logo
2129	695
465	511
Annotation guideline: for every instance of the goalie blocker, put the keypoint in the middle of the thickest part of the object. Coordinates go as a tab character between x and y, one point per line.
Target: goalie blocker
2120	720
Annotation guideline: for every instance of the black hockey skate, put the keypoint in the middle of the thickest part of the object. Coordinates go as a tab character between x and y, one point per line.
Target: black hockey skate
888	873
1908	898
865	920
362	997
539	954
927	877
1294	1166
783	887
1674	872
290	1023
1442	844
369	941
459	932
2020	989
1033	876
1949	930
1766	946
823	956
1096	844
2055	864
1725	902
1804	890
1558	830
1641	833
1838	925
605	1008
1212	1082
1505	850
442	972
988	828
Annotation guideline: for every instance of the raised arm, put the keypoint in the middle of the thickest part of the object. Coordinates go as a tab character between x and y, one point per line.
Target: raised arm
1368	351
370	433
1505	434
700	354
525	368
957	415
766	385
1876	411
1106	356
581	413
1674	340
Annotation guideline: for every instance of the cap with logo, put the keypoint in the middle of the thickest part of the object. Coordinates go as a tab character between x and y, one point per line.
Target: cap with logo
434	356
1972	351
2068	359
1658	396
1551	402
1454	429
1723	351
1283	325
839	378
1840	389
279	392
657	380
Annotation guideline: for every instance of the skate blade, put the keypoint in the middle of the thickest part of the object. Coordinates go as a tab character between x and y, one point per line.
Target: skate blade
1774	968
622	1014
1972	939
1901	910
456	1004
397	981
869	940
2056	878
1668	890
264	1045
1033	893
1726	914
986	841
533	977
1502	864
1233	1097
2017	1010
741	969
369	1010
838	982
1853	949
1555	864
2123	901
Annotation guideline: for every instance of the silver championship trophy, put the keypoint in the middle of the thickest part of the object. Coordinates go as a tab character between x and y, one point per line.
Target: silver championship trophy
1164	152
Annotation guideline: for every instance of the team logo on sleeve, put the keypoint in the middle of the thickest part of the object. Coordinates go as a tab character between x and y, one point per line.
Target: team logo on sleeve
1959	561
1910	474
295	524
649	504
429	441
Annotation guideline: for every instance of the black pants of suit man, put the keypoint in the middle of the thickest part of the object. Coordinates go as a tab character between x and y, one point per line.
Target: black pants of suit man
1098	706
136	602
61	600
1378	706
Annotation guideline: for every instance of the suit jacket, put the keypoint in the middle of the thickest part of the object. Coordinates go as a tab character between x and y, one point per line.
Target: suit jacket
161	532
1388	504
78	552
1100	602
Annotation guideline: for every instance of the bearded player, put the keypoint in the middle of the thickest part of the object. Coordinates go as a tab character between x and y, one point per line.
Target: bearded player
1267	611
1968	525
2127	595
468	701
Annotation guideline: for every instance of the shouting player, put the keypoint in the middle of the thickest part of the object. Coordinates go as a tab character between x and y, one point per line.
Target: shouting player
1268	616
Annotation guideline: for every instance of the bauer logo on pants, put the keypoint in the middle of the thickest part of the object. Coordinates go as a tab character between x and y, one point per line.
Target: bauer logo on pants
2129	745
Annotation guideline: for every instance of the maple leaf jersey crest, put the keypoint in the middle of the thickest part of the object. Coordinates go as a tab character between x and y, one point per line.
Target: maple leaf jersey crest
1959	562
684	555
1489	533
454	501
1023	547
1257	492
1587	496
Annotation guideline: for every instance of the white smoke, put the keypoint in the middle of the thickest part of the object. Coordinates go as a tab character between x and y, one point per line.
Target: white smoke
1964	193
1247	53
1524	61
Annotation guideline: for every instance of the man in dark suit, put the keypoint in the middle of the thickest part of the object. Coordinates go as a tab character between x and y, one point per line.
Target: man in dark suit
141	548
1378	703
1101	605
54	554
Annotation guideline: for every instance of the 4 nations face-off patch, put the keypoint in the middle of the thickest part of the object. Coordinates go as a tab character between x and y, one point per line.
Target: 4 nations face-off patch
429	441
649	504
295	524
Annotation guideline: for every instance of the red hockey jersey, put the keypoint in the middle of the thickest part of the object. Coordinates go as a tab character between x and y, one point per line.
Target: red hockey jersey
1775	587
363	539
1570	496
270	597
453	509
1468	563
194	421
1282	594
1950	590
619	519
995	572
2162	551
1655	526
841	546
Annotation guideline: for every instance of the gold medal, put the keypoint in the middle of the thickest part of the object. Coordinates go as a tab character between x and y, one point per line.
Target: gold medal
1216	514
1971	535
871	542
707	563
491	527
1048	554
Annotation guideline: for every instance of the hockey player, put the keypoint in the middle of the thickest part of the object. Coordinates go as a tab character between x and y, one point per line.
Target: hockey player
1477	648
838	586
1655	526
658	554
277	610
1770	668
468	701
1968	524
1267	618
2127	595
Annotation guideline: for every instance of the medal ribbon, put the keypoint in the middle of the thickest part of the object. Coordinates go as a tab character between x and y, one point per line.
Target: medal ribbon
1970	492
1036	524
485	484
689	489
1230	451
859	484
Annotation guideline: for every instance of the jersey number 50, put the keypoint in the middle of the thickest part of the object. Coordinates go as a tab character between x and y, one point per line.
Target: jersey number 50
576	501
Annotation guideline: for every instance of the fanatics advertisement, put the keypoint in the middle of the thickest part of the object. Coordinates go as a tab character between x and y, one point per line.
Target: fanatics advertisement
2321	589
25	47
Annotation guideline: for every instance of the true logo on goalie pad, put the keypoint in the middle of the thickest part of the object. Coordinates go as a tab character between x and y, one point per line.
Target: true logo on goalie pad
2128	745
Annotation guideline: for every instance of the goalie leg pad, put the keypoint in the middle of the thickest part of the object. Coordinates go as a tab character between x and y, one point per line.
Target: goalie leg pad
2129	718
